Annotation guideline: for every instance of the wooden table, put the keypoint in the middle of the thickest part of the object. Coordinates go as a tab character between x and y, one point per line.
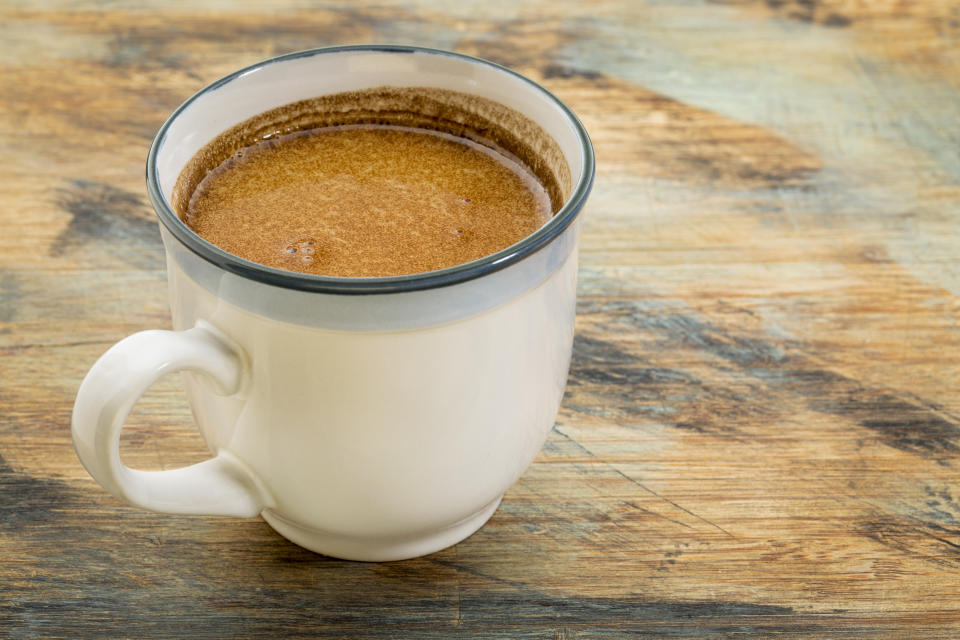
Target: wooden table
761	434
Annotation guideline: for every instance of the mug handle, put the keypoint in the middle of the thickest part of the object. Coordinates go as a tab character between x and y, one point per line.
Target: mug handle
221	486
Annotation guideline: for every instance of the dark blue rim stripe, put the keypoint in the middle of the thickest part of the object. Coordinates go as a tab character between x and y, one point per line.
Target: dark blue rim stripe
391	284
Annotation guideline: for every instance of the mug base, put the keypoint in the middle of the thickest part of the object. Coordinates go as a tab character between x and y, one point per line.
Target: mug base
379	549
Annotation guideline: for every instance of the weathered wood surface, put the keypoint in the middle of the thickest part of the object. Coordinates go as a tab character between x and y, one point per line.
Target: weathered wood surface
761	434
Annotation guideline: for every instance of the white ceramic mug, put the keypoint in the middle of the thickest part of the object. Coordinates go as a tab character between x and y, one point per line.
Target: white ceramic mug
363	418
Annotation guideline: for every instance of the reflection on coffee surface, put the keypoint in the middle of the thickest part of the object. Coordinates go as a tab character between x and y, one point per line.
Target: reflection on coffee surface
353	186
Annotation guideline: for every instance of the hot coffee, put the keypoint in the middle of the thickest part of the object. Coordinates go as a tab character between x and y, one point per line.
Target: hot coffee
364	418
375	183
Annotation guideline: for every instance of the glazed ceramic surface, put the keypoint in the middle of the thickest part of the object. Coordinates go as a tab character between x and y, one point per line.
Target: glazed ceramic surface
369	419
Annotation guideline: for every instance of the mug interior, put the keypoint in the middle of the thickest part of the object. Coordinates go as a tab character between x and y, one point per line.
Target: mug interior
323	72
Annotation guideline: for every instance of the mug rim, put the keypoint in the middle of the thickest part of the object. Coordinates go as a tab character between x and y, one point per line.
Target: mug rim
380	284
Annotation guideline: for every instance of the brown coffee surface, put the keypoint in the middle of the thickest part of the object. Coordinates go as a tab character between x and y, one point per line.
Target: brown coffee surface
367	200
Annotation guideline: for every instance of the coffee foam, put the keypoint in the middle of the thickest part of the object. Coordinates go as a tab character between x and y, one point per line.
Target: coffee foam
475	118
367	200
379	182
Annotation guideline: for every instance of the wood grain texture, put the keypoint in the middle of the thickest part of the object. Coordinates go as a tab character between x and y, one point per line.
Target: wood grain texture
761	433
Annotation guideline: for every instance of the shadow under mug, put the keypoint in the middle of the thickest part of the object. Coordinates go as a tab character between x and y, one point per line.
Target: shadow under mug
362	418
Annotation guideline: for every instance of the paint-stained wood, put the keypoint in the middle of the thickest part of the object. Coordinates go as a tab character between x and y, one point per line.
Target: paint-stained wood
761	434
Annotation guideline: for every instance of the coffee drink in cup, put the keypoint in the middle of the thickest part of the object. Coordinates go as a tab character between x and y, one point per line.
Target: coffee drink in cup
381	182
372	257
